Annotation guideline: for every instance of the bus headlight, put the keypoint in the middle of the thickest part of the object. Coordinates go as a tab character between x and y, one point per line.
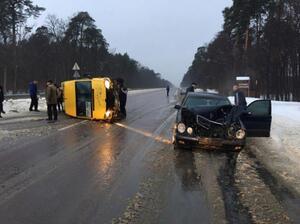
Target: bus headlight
240	134
107	84
181	128
108	114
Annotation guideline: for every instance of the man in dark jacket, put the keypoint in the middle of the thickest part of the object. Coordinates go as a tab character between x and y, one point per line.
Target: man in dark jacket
168	90
33	96
1	101
240	104
122	96
239	97
191	88
51	98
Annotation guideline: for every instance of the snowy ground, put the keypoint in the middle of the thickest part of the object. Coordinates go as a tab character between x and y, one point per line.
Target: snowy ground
281	152
20	106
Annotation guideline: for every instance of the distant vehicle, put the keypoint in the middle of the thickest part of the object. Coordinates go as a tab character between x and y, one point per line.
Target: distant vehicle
94	99
203	122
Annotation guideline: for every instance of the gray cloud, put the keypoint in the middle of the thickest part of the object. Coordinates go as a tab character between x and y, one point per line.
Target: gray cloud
160	34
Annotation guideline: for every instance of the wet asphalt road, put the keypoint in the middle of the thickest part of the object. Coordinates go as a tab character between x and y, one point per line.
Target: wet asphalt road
78	171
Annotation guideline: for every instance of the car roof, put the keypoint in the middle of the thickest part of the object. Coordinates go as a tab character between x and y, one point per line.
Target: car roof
206	95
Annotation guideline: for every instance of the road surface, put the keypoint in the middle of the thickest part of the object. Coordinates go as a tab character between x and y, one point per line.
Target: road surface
78	171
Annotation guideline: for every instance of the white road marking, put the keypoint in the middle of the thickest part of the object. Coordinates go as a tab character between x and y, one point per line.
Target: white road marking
72	125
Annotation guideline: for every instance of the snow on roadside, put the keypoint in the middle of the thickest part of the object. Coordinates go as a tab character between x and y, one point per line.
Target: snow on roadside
21	105
141	91
18	106
289	110
281	152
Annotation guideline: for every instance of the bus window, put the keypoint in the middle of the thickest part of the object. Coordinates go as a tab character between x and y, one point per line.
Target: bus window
84	99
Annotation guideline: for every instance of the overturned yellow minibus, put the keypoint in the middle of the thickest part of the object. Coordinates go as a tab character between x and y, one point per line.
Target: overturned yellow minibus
94	99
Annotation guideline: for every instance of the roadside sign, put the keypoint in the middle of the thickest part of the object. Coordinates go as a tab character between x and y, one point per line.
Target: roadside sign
76	67
76	75
76	70
244	84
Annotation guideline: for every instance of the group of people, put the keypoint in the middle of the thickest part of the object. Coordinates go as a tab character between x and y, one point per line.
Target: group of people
54	99
240	103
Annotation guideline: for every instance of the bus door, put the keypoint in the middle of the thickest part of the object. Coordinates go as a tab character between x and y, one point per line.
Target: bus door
84	99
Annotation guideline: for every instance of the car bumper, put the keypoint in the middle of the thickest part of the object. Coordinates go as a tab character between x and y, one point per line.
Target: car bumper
208	143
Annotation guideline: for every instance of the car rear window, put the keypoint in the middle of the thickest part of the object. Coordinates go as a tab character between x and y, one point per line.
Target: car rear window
197	101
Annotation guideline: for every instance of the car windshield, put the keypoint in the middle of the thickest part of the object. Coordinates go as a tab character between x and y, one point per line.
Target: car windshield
200	101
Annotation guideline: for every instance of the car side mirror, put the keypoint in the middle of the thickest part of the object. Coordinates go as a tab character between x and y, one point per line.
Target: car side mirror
177	107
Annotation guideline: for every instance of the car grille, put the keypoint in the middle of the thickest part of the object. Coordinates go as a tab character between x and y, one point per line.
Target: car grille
208	128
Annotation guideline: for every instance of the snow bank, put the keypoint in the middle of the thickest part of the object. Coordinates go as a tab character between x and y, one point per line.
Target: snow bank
13	106
21	105
281	152
289	110
141	91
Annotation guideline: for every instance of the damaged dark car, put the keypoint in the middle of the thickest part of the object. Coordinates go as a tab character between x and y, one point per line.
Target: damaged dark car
210	121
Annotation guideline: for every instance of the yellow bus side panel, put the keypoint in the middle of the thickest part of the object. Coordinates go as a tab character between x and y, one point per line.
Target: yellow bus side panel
99	99
70	98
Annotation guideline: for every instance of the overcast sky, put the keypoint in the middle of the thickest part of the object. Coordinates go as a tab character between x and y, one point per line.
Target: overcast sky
161	34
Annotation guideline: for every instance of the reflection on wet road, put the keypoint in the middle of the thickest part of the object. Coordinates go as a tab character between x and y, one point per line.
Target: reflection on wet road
128	172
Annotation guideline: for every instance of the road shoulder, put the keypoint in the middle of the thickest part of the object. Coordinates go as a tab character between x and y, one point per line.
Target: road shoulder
280	153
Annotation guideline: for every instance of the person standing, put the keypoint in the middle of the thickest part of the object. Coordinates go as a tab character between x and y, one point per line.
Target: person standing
1	101
51	98
33	96
239	97
122	96
168	90
59	98
191	88
240	104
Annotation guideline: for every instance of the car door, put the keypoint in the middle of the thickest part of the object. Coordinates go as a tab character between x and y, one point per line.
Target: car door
258	118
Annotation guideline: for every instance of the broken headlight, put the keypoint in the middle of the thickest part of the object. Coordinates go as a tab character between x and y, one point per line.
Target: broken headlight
181	128
240	134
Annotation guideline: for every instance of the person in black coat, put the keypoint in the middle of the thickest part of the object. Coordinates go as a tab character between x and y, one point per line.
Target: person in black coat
240	105
191	88
122	96
1	101
168	90
239	98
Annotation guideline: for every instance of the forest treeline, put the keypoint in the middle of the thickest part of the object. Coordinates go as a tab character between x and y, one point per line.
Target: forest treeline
260	39
50	51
